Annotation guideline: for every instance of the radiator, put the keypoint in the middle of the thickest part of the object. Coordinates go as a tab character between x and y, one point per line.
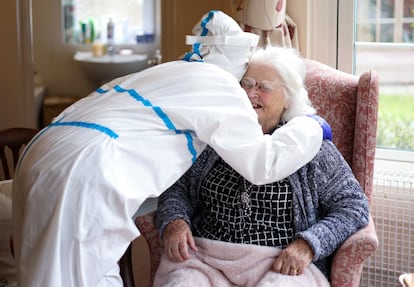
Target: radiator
392	208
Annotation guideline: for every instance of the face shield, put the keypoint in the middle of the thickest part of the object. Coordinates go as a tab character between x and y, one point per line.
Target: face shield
219	40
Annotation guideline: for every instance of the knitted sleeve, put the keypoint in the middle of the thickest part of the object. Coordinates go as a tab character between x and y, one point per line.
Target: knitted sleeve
328	186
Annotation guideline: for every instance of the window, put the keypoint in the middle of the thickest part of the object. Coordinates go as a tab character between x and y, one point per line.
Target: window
385	43
361	47
128	21
386	21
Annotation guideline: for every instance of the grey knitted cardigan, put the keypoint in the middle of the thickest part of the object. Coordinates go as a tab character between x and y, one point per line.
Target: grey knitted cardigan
329	204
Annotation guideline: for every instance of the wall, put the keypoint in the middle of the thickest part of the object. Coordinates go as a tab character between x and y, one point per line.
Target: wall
189	12
61	75
316	27
16	92
297	10
53	60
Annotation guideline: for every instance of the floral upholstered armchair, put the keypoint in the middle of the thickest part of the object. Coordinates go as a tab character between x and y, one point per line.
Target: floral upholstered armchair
350	104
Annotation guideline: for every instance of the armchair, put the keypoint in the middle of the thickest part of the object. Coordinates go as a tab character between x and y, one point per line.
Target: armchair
350	104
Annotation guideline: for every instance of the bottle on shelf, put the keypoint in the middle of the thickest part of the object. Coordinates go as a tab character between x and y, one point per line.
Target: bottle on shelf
69	21
110	37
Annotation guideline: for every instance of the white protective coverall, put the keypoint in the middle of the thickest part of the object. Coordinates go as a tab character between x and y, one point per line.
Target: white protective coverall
82	178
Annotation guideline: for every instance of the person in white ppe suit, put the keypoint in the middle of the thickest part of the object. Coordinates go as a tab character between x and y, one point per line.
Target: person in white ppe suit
82	178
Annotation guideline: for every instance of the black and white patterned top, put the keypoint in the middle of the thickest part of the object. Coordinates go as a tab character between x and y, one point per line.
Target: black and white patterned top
234	210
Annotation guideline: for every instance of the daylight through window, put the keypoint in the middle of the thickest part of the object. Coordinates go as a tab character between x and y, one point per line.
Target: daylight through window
123	22
385	43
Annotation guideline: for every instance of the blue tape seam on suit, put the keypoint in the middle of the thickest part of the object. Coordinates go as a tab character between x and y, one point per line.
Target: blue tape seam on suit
163	116
97	127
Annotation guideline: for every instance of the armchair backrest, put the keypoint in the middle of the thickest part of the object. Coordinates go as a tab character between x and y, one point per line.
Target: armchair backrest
350	105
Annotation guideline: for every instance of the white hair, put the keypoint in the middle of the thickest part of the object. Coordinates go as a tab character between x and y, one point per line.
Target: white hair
291	68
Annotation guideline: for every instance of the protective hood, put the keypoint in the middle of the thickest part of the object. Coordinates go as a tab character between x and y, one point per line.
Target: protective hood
219	40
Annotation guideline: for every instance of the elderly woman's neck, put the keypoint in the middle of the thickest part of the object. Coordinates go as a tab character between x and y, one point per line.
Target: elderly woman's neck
269	131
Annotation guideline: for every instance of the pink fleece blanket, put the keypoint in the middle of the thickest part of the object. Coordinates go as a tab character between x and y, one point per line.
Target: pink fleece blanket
222	264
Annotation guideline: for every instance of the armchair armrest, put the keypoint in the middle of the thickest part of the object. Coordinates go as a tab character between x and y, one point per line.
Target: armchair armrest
146	225
349	259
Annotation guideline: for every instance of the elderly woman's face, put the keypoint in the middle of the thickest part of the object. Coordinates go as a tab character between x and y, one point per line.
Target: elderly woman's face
266	93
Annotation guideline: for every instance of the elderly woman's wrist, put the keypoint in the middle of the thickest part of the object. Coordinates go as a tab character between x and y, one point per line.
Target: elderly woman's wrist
304	247
304	238
176	223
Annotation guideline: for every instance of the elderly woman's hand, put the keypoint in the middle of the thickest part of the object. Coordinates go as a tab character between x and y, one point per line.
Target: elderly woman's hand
177	238
294	259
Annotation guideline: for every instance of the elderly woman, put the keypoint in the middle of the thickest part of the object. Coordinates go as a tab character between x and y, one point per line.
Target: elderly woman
219	228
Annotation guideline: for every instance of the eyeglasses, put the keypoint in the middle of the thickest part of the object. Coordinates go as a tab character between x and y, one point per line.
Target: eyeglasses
264	86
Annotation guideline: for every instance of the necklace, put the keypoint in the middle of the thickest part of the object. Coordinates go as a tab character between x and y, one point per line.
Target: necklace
245	196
